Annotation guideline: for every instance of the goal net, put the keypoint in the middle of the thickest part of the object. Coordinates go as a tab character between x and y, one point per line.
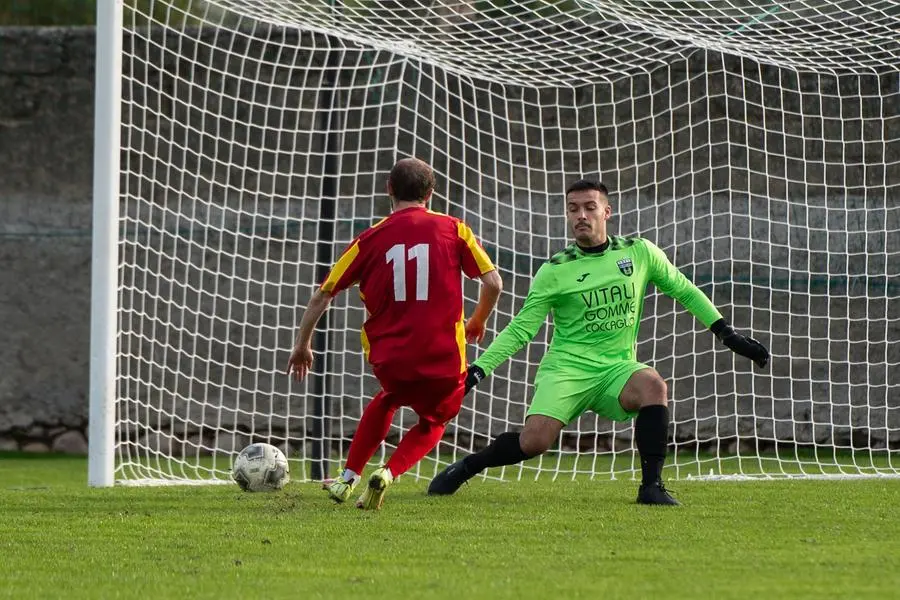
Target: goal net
757	143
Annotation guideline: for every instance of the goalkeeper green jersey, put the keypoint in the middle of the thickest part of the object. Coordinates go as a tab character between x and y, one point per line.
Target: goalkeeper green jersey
596	299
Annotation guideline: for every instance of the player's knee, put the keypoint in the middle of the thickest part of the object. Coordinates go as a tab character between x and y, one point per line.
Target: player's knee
533	446
655	391
534	443
539	434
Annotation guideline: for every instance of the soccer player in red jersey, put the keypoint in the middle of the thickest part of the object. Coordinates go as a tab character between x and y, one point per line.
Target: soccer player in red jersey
409	268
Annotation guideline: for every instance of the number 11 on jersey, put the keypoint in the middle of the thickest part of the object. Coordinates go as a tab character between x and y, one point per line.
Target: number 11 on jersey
398	255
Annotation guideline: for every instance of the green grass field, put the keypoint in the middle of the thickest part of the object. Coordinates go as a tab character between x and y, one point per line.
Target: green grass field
524	539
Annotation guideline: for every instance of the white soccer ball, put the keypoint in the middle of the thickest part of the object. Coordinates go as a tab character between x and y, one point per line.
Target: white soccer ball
261	468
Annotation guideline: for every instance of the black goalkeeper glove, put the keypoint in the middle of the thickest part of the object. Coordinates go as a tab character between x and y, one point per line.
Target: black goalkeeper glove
474	374
739	344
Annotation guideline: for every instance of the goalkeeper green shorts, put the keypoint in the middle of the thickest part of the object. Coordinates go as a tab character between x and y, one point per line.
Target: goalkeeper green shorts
566	394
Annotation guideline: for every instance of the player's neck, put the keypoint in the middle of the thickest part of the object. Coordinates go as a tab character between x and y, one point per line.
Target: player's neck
404	204
600	247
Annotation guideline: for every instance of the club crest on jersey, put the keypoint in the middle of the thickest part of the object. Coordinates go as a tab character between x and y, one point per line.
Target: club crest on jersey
625	265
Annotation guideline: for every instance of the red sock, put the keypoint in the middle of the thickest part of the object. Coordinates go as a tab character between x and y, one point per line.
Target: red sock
373	428
418	441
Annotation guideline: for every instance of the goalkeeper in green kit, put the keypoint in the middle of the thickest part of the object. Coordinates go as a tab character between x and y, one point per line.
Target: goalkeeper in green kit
595	290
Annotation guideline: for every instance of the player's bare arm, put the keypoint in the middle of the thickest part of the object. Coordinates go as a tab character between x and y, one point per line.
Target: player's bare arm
491	286
301	356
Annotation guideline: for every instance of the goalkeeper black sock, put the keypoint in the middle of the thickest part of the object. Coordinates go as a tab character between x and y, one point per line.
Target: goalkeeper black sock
651	430
504	450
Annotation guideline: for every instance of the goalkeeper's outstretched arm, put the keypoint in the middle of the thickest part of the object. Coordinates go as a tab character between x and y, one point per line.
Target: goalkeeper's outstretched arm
673	283
521	330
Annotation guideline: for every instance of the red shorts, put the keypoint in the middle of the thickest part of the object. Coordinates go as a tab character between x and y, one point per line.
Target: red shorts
434	400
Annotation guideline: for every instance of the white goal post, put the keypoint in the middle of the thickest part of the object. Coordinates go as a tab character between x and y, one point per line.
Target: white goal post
241	144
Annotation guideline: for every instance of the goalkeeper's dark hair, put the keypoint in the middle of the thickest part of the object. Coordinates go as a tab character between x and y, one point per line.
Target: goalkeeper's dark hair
411	180
587	184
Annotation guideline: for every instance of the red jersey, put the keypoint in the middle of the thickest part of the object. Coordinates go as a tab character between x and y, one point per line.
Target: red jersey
409	269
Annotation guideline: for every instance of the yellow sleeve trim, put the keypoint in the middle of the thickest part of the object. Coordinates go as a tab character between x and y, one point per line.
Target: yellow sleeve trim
461	344
340	268
364	340
481	258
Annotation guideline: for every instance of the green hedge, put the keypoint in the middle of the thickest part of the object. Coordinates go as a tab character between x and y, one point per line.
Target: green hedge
75	12
83	12
47	12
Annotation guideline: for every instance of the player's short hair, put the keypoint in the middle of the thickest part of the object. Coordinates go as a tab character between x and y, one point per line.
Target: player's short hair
411	180
587	184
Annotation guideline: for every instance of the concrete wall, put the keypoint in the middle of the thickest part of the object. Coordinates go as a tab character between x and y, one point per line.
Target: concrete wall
224	171
46	120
